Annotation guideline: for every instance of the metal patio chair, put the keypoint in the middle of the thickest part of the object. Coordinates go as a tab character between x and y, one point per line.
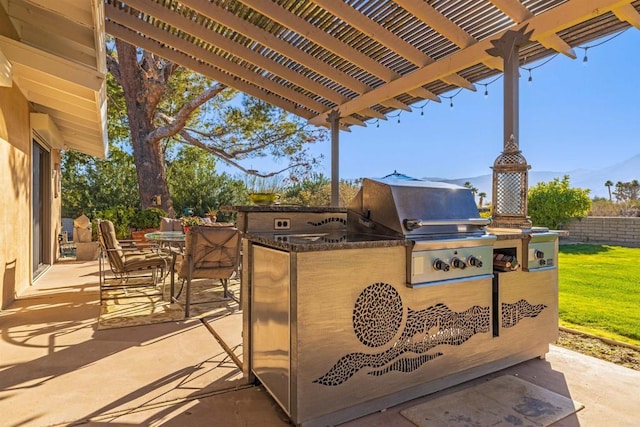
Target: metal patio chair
209	253
127	262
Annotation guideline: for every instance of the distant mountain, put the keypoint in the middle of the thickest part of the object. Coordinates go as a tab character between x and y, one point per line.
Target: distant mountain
580	178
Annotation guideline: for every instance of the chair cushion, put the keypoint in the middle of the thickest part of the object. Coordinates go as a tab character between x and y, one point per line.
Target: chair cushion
142	263
214	252
170	224
111	244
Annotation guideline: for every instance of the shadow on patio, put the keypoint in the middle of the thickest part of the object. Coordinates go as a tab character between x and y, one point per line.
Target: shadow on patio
57	368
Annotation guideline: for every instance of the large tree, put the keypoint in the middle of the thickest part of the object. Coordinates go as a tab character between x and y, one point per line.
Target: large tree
167	104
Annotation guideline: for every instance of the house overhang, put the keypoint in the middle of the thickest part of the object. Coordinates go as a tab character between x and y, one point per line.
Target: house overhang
56	54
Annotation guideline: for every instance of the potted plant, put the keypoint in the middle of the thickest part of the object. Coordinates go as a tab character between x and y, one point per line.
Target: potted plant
263	191
188	221
145	221
212	214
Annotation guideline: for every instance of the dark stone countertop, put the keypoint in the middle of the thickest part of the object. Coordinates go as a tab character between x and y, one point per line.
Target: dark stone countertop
518	233
335	240
283	208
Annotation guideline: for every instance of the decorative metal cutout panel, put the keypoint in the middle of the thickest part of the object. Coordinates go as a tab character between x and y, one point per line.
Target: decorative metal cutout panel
325	221
377	317
512	314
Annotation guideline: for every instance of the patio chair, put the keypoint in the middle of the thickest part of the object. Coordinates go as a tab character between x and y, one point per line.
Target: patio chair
209	253
127	262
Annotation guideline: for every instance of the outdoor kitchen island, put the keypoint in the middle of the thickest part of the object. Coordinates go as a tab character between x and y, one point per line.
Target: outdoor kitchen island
345	322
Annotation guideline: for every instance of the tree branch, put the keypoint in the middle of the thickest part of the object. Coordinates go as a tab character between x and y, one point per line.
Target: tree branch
178	122
188	139
169	69
114	68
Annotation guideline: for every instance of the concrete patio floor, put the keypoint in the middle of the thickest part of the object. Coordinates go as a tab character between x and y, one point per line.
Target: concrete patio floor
56	368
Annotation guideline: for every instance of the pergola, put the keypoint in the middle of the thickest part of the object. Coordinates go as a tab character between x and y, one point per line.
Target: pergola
363	58
342	63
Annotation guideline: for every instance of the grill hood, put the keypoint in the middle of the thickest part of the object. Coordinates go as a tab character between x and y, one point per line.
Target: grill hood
406	207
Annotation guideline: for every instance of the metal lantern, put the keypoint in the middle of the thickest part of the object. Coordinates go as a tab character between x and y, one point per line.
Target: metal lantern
510	188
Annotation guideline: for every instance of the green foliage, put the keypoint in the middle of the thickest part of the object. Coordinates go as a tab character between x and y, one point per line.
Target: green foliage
226	124
191	220
194	184
147	218
126	218
121	216
259	184
91	184
308	192
552	204
627	191
486	213
598	290
316	191
117	122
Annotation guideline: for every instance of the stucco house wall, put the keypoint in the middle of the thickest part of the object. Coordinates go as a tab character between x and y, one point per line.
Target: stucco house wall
15	196
53	93
16	183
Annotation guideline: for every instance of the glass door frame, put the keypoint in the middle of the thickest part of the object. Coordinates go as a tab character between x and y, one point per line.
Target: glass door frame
40	241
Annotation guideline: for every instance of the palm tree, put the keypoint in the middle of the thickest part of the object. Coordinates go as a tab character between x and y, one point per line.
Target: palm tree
609	184
482	196
635	188
619	193
473	189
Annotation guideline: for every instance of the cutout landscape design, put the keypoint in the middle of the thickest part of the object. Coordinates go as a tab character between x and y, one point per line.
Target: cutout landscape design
377	317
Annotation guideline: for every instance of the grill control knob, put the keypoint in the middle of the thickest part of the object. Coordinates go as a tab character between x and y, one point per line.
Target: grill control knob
538	254
439	264
458	263
476	262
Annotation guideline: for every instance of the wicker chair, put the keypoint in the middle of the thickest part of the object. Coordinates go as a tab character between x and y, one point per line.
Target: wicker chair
127	262
210	253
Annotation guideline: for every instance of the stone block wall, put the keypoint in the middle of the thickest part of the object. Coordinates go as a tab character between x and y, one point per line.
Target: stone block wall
614	229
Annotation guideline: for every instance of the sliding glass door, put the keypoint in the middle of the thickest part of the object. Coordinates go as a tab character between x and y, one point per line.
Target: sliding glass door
40	207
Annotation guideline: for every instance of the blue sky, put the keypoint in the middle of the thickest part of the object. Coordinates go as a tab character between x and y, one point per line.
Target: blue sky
573	115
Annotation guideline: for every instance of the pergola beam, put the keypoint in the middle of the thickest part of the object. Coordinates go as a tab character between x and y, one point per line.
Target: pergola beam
394	103
456	80
427	14
629	14
370	112
421	92
375	31
513	9
519	13
553	21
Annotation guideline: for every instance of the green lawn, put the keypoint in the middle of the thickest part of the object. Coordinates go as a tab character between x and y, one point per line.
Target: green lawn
599	288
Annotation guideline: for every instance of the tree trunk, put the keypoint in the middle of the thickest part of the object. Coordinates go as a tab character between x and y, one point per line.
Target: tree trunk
141	96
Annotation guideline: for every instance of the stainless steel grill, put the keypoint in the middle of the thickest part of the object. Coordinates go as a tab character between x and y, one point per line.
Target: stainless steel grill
449	239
